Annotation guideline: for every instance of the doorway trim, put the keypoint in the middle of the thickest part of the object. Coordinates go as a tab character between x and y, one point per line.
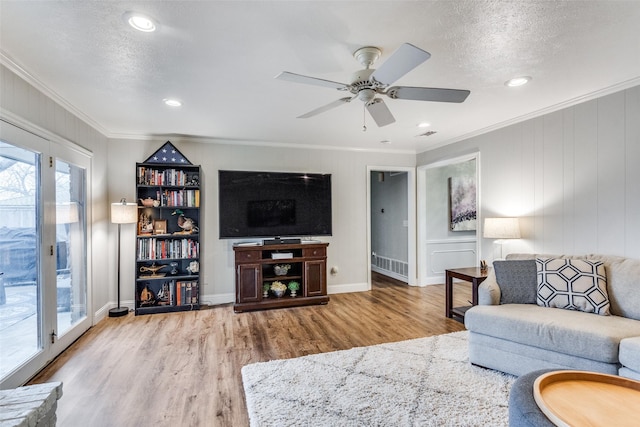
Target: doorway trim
411	220
421	209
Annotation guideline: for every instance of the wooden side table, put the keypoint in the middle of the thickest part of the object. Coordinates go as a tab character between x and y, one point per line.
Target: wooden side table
469	274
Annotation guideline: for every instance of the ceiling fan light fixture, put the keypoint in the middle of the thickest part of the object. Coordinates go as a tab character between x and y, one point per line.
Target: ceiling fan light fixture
518	81
140	22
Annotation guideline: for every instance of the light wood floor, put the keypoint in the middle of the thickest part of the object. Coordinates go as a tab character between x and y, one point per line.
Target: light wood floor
183	369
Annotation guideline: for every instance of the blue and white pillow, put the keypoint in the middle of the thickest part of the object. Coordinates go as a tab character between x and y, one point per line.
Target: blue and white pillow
572	284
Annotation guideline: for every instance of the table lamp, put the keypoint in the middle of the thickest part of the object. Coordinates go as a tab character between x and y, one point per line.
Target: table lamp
500	229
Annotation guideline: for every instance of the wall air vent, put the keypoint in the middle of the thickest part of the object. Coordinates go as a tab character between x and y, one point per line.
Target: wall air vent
427	133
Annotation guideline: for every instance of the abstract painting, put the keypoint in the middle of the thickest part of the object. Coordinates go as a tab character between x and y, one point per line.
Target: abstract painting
462	203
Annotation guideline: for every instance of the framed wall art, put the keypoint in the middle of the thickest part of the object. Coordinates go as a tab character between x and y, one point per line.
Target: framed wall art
462	203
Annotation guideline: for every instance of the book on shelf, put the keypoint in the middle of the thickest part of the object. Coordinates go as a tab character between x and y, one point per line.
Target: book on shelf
158	248
169	177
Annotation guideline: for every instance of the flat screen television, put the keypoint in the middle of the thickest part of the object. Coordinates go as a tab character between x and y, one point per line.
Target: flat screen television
273	204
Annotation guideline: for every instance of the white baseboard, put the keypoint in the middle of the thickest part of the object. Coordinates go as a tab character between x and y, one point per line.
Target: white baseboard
390	274
103	311
219	299
348	287
434	280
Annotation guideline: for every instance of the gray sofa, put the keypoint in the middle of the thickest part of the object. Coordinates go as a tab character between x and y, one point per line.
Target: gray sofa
520	336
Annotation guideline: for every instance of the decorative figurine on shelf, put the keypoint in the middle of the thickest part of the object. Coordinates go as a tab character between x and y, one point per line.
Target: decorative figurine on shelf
150	203
174	268
145	225
146	297
194	267
153	268
163	295
187	224
195	180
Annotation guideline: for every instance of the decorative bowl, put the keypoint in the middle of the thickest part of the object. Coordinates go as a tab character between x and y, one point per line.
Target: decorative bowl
281	270
278	294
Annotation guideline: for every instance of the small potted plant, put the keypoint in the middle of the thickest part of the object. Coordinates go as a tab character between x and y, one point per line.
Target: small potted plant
278	288
293	287
265	290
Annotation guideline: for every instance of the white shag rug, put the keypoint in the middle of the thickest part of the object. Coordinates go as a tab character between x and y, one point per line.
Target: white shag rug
421	382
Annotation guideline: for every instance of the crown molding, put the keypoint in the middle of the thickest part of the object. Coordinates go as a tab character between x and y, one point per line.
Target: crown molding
7	61
553	108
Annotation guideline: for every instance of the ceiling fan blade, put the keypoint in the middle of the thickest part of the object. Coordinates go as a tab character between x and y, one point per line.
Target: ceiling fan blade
327	107
427	94
298	78
380	112
403	60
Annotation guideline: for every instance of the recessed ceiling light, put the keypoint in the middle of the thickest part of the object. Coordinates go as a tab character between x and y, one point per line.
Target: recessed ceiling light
518	81
140	22
172	102
424	125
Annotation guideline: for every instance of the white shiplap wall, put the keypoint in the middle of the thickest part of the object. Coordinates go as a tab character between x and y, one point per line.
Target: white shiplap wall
573	176
24	105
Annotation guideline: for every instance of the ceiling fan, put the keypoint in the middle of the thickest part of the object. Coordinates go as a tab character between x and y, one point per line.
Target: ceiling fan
367	83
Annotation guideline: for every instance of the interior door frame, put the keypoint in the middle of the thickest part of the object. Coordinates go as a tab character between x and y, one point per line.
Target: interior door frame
411	209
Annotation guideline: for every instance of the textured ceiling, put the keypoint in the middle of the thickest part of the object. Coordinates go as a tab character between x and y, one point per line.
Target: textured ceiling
220	59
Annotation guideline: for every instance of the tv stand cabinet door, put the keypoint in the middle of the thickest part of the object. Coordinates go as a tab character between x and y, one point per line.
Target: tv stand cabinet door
315	278
248	283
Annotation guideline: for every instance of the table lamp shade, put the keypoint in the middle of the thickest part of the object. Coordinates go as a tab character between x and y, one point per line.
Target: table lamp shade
124	213
501	228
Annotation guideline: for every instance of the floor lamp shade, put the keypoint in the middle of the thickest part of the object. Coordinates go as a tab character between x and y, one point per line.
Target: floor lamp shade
122	213
500	228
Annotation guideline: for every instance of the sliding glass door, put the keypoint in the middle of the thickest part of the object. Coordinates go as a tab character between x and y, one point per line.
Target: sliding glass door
43	251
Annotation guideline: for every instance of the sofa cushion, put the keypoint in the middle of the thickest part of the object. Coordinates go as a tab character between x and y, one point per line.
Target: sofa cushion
630	353
623	280
517	281
573	284
566	331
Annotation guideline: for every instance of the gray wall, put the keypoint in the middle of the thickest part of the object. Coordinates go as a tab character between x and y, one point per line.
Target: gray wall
347	247
445	248
571	175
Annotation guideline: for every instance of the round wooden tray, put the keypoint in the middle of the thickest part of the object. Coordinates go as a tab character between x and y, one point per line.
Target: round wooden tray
579	398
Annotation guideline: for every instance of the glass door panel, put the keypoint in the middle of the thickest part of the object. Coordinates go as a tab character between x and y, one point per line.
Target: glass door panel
71	274
20	261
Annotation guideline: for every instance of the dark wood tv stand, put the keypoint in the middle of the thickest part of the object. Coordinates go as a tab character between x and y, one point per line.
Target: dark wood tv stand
255	268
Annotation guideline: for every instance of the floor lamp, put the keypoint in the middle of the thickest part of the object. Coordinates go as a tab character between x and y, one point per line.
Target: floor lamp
500	228
122	213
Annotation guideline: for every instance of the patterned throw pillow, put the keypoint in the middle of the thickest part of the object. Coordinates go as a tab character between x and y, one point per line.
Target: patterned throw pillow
573	284
517	281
